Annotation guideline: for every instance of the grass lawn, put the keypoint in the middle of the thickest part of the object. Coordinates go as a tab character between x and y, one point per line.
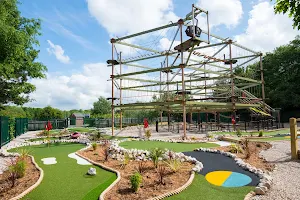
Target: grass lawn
200	189
178	147
66	179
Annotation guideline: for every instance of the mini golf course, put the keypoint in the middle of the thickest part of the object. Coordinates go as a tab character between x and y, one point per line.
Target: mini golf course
221	178
66	179
177	147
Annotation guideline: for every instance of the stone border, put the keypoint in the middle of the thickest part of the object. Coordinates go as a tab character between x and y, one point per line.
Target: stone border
178	190
101	197
34	185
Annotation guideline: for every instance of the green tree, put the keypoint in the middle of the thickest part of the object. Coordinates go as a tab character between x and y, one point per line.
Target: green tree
50	113
281	75
101	107
18	40
292	7
13	111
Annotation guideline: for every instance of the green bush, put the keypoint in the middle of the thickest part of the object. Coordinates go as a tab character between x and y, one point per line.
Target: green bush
155	154
260	134
94	146
238	132
18	168
12	123
136	180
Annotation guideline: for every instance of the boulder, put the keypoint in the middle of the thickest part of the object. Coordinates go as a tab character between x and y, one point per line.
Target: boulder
92	171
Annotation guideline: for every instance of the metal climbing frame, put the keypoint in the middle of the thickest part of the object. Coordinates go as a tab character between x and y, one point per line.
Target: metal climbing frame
166	70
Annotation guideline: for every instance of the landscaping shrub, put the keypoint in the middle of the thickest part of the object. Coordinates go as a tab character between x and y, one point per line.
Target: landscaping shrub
105	152
148	134
162	172
155	154
125	160
246	147
141	167
16	170
238	132
23	153
260	134
94	146
173	164
136	180
234	148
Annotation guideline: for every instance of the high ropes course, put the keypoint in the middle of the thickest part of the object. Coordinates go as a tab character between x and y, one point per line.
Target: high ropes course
183	68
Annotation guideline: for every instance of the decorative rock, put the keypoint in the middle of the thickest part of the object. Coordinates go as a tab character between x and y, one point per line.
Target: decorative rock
259	191
92	171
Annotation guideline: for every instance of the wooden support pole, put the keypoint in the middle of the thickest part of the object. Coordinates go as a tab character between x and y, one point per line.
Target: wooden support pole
262	81
112	87
232	84
182	66
121	92
294	143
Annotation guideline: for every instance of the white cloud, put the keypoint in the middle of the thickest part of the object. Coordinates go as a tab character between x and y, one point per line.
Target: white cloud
59	52
226	12
121	17
79	90
266	30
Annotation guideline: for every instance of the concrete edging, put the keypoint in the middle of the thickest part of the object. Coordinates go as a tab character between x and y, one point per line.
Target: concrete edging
34	185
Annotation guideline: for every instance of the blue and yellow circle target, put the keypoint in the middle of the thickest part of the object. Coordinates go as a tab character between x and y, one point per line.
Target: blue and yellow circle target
228	179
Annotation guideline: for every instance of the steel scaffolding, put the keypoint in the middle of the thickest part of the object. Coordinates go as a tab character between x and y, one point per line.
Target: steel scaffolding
193	76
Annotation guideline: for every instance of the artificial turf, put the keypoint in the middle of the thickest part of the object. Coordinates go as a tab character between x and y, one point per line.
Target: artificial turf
80	129
41	139
271	132
177	147
66	179
200	189
271	139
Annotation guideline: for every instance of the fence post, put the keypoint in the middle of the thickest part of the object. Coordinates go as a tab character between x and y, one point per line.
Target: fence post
294	145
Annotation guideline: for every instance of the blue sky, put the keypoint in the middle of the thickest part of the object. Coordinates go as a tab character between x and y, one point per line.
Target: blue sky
75	38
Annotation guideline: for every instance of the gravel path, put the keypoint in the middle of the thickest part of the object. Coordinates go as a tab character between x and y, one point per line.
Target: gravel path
16	141
286	178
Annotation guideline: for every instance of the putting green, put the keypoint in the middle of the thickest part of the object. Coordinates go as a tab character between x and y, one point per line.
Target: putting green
178	147
200	189
66	179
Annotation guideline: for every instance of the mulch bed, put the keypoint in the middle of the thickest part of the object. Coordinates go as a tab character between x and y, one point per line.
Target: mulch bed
254	159
32	174
150	186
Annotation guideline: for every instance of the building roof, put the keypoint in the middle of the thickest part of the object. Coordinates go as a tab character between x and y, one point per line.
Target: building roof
78	115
